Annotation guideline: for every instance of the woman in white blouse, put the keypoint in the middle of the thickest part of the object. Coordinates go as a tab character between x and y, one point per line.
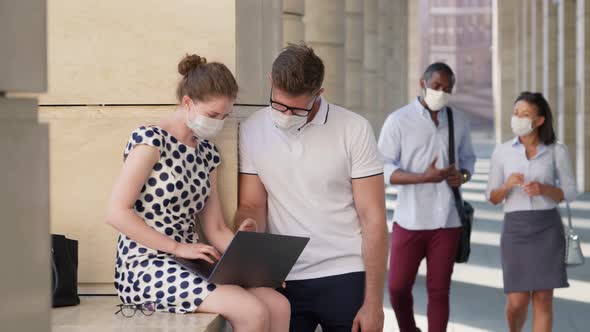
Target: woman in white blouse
531	174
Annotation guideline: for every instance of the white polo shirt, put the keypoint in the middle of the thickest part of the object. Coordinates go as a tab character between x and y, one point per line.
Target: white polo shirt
308	177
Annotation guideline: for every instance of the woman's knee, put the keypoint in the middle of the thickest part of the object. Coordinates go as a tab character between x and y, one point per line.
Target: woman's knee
258	316
518	302
280	307
277	304
253	315
543	299
244	311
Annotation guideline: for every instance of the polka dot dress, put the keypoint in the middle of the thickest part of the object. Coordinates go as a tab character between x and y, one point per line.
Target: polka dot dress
177	188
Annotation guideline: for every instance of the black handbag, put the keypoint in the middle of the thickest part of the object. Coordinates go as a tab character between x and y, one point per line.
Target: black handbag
64	265
464	209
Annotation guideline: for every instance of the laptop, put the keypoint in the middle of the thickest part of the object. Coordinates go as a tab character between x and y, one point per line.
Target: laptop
251	260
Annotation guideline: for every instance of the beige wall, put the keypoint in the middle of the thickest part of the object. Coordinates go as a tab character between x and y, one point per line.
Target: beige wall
86	147
126	52
113	67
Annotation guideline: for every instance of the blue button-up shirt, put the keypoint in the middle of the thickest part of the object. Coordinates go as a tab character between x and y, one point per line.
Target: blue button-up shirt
551	165
410	141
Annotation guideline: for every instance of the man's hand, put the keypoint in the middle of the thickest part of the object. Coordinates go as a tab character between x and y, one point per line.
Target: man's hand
436	175
455	178
369	319
248	225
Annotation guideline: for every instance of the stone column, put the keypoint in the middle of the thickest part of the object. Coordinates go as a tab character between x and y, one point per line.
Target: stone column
549	86
354	55
399	66
325	32
389	44
385	69
414	48
566	74
583	87
536	26
382	47
517	40
24	169
293	28
258	39
504	57
525	40
370	60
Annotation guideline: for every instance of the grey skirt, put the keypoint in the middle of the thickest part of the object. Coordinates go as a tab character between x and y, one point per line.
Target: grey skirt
533	251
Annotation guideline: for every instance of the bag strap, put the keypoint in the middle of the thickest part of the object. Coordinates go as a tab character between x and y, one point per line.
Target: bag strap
569	215
567	204
456	192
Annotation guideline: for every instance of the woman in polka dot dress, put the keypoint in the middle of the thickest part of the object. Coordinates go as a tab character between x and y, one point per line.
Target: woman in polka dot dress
168	179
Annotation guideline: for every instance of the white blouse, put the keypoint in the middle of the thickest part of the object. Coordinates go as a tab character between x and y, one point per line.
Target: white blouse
551	166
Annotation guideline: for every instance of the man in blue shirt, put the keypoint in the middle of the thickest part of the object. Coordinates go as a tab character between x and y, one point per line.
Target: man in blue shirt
415	145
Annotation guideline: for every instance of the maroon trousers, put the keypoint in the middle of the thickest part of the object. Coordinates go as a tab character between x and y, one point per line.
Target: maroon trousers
408	248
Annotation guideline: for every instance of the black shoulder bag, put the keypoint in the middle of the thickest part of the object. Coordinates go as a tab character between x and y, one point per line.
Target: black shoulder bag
464	209
64	265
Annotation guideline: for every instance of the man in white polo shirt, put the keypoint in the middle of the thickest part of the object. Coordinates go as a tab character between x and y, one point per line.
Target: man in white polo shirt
311	168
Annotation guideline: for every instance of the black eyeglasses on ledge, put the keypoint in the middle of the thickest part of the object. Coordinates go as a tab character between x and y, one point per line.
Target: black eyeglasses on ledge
128	310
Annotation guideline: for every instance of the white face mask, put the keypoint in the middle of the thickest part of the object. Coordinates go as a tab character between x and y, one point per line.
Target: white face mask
287	122
204	127
521	126
436	99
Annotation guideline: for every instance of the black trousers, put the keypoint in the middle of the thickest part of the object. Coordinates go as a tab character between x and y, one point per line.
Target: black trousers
331	302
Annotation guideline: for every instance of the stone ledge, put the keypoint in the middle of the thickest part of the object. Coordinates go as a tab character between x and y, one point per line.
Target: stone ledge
96	314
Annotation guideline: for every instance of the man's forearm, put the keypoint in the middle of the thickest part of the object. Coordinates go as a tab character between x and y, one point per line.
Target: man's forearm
256	213
374	249
402	177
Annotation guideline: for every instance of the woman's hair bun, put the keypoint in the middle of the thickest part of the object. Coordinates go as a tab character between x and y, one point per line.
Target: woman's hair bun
190	62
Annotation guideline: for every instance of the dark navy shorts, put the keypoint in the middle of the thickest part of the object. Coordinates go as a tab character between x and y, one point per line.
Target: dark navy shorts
331	302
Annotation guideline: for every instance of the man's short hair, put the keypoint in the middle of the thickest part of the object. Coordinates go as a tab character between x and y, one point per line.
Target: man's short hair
298	70
438	67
